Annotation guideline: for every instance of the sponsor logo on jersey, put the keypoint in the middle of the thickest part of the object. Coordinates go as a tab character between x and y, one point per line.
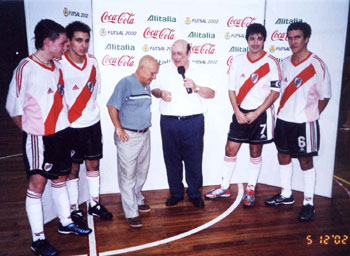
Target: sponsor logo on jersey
165	33
201	35
48	167
72	153
254	77
60	89
243	75
287	21
75	87
297	82
90	85
161	18
49	91
122	18
262	136
243	22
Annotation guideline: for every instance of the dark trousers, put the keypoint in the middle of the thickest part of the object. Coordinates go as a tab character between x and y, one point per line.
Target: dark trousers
183	143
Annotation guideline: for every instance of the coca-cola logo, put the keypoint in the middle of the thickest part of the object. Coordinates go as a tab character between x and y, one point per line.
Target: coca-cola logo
123	18
123	61
245	22
277	36
165	33
229	60
203	49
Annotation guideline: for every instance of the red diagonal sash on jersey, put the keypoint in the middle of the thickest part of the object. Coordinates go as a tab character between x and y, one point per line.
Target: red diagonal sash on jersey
304	75
56	108
249	83
80	103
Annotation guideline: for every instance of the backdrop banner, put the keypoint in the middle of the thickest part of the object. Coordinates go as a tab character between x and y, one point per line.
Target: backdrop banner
124	31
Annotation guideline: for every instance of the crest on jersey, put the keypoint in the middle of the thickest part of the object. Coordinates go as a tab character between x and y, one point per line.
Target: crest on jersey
90	85
298	81
60	89
254	77
48	167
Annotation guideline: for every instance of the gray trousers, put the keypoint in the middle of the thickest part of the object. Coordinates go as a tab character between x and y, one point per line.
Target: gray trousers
133	163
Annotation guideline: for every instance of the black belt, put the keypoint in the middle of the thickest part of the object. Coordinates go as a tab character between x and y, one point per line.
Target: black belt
138	131
183	117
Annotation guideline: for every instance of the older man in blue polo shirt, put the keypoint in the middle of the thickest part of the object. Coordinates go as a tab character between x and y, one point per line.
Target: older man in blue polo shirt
130	112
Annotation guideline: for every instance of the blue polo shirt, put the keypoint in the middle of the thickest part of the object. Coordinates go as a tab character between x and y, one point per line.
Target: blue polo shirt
133	102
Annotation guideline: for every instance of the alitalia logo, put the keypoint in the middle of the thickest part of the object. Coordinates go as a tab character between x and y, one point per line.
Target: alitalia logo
121	47
201	35
287	21
161	18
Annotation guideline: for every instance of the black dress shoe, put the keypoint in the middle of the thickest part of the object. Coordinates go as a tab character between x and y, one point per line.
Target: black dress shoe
306	213
197	202
173	200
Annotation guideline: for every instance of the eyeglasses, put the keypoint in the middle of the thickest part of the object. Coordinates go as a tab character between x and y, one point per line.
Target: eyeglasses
173	54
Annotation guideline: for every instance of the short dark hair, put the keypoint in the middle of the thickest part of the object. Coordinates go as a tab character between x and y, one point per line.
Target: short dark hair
303	26
77	26
47	29
188	48
255	28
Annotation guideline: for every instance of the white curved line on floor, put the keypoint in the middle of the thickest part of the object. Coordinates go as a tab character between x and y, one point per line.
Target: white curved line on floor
5	157
188	233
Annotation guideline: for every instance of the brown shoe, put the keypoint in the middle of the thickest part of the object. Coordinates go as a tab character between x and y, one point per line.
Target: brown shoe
134	222
144	208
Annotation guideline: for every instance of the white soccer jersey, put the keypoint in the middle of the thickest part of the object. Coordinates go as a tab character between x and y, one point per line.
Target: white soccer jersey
302	86
36	93
82	86
253	81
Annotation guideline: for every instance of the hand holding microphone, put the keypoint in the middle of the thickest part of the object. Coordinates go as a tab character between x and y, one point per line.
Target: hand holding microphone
181	71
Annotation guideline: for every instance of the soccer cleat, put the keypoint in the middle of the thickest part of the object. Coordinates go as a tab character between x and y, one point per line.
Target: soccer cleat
218	192
249	198
279	199
77	217
101	212
73	229
306	213
43	248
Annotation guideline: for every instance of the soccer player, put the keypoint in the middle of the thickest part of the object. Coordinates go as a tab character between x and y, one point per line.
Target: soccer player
254	84
36	104
305	90
82	79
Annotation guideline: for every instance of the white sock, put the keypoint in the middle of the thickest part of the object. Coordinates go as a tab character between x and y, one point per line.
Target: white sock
93	178
73	193
227	171
254	171
61	201
286	172
35	214
309	186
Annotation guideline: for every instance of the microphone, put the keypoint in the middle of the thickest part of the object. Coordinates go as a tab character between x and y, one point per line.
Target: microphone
181	71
